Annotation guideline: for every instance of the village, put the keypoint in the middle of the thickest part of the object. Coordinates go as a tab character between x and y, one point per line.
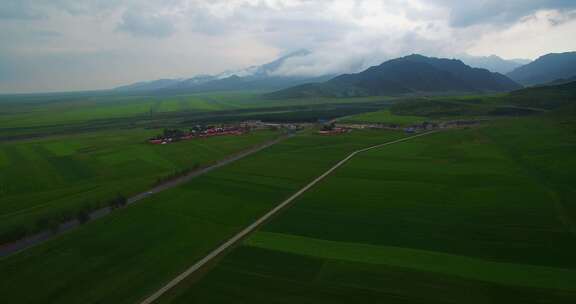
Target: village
205	131
340	128
336	128
326	128
175	135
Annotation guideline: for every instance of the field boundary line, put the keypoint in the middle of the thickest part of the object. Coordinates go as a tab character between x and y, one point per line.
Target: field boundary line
252	227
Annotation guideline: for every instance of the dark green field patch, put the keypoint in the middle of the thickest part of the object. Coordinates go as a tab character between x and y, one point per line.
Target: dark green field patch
420	260
473	201
257	275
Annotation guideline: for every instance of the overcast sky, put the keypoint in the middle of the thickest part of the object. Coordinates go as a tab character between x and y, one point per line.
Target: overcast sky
56	45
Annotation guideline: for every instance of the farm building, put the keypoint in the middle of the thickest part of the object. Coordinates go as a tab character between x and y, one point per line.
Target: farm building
333	131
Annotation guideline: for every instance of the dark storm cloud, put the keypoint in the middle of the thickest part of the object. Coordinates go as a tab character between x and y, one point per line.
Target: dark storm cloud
468	13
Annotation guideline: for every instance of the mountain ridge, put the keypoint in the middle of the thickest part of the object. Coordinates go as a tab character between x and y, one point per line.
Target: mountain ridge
545	69
254	77
493	63
411	74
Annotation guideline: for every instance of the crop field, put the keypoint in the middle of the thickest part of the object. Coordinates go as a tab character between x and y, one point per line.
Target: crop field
54	177
28	112
81	109
126	256
25	116
383	116
483	215
464	107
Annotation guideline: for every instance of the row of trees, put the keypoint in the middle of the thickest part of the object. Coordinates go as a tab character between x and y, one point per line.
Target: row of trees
177	133
328	127
53	223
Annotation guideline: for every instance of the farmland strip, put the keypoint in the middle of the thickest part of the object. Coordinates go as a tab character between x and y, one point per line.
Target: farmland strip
220	249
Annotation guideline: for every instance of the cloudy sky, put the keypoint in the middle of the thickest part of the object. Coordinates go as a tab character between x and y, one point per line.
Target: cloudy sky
56	45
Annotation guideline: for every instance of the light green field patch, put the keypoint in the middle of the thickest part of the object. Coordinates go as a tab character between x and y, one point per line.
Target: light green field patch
153	157
173	229
196	103
118	156
169	105
46	177
505	273
62	148
205	146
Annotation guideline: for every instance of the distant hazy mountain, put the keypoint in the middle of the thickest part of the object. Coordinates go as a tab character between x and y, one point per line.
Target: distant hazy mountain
546	69
407	75
262	77
196	80
147	85
493	63
234	83
269	69
521	61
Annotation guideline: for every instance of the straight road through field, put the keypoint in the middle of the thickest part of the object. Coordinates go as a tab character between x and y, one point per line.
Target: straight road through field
235	239
43	236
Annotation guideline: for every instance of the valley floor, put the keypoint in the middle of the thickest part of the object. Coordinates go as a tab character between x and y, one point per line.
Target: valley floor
128	255
469	216
479	215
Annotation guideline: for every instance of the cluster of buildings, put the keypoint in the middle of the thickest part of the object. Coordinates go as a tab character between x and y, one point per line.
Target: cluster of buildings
414	128
329	128
426	126
174	135
258	124
333	129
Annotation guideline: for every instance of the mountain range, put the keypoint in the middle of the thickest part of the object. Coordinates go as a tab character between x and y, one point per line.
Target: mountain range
413	74
546	69
262	77
493	63
429	75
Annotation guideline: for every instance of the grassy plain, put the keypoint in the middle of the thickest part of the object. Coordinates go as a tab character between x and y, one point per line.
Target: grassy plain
51	178
129	254
457	107
384	116
481	215
497	200
30	111
19	113
25	116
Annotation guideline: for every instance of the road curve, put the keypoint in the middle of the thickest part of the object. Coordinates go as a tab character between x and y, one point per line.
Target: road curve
239	236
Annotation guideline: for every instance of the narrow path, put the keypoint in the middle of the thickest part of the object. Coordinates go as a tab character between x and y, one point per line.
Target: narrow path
239	236
43	236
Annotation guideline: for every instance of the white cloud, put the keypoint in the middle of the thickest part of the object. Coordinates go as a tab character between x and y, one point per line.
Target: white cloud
103	43
549	30
18	9
146	24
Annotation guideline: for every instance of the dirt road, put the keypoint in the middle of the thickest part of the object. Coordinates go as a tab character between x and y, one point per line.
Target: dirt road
239	236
